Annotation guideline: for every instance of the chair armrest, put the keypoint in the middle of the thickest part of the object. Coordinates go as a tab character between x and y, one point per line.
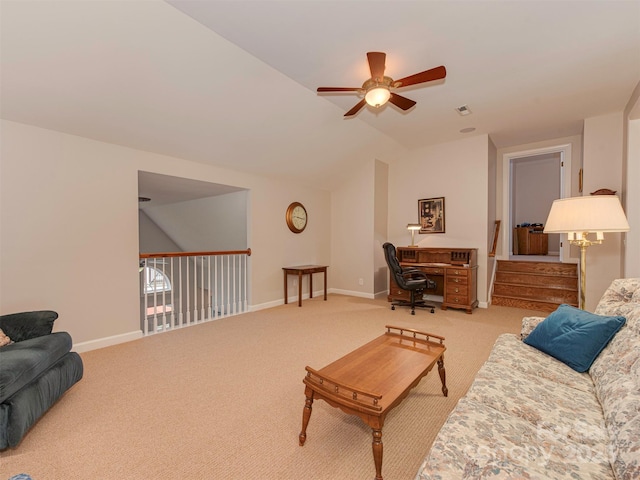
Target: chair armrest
414	273
27	325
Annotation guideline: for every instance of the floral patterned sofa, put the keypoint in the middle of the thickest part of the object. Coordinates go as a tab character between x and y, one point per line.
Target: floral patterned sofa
530	416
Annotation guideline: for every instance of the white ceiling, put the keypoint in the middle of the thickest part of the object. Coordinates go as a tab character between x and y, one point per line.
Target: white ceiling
233	83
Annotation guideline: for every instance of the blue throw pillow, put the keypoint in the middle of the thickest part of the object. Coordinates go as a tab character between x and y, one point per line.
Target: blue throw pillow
574	336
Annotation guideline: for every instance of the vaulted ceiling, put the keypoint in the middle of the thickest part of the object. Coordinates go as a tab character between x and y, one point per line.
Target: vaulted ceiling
233	83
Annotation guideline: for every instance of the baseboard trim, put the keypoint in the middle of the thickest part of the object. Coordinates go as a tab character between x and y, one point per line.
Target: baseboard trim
351	293
106	342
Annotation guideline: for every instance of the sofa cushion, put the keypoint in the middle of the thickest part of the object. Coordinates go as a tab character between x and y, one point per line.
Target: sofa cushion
479	442
22	362
545	404
26	325
526	360
574	336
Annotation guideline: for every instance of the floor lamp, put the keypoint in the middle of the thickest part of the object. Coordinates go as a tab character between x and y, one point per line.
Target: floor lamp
579	217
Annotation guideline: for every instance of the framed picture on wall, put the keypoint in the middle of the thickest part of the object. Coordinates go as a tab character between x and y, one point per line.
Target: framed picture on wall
431	215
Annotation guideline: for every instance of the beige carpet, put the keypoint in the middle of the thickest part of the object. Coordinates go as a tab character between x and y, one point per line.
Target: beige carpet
224	400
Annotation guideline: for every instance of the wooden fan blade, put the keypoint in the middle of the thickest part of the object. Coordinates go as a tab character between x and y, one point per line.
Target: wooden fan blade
402	102
338	89
376	64
426	76
356	109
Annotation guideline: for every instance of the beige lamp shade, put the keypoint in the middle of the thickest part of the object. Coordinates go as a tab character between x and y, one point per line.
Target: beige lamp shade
596	213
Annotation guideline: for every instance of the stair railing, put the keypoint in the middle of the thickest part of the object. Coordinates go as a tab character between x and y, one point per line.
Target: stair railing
178	289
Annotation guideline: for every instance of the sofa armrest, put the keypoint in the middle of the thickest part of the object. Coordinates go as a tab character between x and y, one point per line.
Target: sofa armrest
528	324
27	325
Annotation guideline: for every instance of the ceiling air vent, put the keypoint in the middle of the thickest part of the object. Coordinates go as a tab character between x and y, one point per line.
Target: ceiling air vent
463	110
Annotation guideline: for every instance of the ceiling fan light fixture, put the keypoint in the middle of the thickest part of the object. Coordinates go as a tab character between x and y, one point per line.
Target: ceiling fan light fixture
377	96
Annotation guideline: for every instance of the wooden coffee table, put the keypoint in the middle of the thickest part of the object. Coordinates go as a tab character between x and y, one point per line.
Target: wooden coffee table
374	378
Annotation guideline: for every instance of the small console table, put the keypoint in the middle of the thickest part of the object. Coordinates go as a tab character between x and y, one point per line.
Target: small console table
300	271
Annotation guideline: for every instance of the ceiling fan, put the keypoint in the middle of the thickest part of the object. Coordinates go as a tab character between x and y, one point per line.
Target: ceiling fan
377	90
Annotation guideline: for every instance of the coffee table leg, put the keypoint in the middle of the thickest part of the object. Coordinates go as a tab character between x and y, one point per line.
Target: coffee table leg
377	452
443	376
306	415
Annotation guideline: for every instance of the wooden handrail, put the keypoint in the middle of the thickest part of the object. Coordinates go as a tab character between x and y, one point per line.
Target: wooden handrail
195	254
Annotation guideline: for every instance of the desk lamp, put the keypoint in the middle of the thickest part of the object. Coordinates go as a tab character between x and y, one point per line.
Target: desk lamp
413	227
580	216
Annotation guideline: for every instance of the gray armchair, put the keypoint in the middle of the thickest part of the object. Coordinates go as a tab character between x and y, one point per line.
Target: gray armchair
36	368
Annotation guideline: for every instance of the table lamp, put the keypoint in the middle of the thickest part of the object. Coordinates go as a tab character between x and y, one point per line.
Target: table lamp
413	227
580	216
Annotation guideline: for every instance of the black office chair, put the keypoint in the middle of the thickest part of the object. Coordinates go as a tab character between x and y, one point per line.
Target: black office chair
411	279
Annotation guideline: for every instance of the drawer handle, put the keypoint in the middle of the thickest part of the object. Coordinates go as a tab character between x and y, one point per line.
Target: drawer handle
456	280
457	289
457	272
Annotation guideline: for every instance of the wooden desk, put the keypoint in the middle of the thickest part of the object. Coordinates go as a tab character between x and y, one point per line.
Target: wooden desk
375	378
300	271
455	271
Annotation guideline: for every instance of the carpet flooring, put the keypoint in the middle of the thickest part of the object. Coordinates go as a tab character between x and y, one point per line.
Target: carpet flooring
224	399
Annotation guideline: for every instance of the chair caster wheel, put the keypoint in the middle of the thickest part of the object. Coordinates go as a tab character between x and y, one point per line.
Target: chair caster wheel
413	312
392	307
433	311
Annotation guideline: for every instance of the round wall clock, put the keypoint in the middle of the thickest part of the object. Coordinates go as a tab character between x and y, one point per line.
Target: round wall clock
296	217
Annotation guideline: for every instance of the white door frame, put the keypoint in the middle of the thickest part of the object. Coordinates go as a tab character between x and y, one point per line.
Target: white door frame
507	181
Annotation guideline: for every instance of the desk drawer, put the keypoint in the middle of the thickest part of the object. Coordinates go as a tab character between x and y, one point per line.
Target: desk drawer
458	272
400	294
457	280
432	270
459	290
457	300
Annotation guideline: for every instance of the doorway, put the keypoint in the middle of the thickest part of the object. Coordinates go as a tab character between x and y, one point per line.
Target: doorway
533	180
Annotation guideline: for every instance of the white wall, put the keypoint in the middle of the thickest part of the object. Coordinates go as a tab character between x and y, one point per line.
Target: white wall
152	238
207	224
457	171
69	203
602	157
352	223
380	227
536	184
631	176
535	178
